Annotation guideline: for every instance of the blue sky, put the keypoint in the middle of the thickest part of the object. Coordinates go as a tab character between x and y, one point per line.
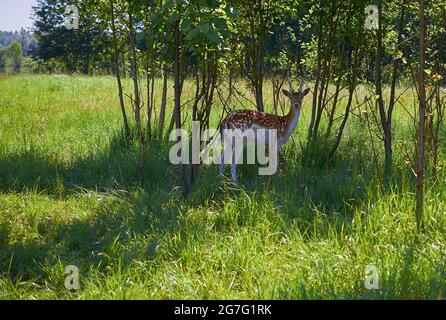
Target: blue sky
15	14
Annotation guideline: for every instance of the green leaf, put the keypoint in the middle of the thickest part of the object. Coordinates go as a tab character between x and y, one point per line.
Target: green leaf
174	18
221	24
186	25
213	36
192	35
204	27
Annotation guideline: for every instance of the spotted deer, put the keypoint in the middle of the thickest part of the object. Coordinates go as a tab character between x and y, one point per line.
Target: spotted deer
251	119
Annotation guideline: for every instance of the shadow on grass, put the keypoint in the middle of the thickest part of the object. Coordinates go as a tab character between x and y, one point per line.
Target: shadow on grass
315	192
304	174
115	168
149	204
123	227
133	203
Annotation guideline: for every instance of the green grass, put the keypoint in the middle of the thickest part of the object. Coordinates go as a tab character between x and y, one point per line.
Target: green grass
71	194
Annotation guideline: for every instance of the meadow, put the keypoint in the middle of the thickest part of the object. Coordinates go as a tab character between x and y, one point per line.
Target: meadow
71	193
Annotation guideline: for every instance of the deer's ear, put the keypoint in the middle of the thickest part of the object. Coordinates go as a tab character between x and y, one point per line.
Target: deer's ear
305	92
285	92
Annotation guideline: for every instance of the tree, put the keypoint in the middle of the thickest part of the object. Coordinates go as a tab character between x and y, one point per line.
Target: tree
421	117
24	37
11	57
2	60
385	113
254	23
83	49
117	70
15	54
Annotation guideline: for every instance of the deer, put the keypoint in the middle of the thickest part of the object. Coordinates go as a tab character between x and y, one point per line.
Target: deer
250	119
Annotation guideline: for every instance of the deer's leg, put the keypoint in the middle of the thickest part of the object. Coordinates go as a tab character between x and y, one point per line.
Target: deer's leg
279	156
234	169
223	150
234	166
222	166
234	173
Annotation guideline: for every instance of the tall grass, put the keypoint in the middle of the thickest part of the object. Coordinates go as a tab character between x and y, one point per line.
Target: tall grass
71	193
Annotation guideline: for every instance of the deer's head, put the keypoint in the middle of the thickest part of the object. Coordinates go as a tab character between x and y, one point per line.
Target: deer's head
296	97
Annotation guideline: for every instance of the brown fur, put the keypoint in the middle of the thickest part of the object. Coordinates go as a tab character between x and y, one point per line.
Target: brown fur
246	119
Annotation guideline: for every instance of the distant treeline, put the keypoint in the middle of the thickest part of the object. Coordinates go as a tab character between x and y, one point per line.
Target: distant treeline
23	37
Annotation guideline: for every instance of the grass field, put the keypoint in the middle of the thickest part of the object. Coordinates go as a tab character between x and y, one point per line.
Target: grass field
71	194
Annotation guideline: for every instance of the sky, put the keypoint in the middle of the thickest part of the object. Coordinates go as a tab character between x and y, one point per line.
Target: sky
15	14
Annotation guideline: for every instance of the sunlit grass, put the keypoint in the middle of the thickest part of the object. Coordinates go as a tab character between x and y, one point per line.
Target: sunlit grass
71	194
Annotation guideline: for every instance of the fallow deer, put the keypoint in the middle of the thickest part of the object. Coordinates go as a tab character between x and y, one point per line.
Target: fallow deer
251	119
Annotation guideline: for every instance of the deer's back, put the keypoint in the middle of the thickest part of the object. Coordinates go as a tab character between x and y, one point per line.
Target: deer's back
249	119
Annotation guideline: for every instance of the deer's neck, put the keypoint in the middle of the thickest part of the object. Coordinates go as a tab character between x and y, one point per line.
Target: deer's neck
292	120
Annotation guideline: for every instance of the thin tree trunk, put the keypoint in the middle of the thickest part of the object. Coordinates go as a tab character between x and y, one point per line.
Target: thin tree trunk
333	110
177	98
317	80
149	84
259	95
421	119
137	98
352	80
118	75
177	80
231	85
134	67
343	123
388	164
379	93
163	105
326	70
124	70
